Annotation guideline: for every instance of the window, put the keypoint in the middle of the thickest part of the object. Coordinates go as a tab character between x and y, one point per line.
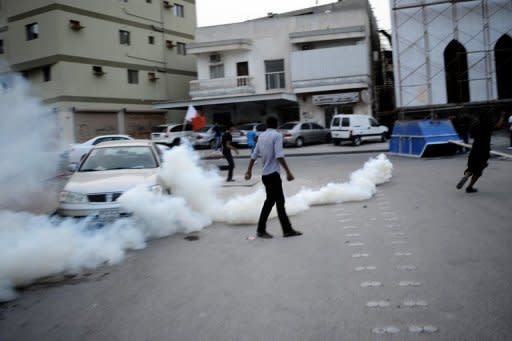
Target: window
182	48
151	40
47	75
148	1
503	60
124	37
1	46
133	77
456	73
217	71
373	123
305	126
32	31
178	10
274	74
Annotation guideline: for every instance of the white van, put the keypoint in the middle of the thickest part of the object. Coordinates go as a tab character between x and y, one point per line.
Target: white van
356	128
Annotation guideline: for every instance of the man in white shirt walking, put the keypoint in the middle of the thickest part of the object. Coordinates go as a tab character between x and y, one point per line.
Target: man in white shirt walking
270	148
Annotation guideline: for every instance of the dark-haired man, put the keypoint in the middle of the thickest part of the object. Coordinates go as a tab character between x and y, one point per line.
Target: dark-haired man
270	148
227	147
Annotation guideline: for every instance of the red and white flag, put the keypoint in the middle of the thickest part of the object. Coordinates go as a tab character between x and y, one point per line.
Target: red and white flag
191	113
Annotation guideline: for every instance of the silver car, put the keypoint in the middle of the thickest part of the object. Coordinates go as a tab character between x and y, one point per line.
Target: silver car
240	132
108	170
205	137
300	133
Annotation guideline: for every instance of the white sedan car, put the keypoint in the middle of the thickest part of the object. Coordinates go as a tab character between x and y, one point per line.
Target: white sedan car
109	170
77	151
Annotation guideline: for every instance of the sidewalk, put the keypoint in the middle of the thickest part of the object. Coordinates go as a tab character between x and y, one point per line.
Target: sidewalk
500	142
308	150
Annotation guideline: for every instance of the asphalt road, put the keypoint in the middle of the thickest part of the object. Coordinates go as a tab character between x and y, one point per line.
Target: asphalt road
420	260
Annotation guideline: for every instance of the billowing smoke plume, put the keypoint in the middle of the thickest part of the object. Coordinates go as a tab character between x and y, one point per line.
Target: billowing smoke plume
28	145
32	247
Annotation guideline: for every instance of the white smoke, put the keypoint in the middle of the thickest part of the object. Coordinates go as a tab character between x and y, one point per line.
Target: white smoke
32	247
28	145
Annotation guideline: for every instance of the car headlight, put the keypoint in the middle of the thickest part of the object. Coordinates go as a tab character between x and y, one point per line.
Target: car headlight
156	189
72	197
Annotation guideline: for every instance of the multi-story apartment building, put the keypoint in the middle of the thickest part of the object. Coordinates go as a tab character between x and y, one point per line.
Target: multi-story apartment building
101	64
303	65
452	57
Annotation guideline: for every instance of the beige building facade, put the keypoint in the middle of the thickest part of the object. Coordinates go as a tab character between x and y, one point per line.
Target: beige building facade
307	65
101	64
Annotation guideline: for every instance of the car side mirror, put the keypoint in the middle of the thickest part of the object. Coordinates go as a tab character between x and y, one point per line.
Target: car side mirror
72	167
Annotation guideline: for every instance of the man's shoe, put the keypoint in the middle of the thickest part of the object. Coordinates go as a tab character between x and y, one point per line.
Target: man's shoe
471	190
292	233
265	235
230	180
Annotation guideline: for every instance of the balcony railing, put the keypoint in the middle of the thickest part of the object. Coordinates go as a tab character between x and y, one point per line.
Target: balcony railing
222	87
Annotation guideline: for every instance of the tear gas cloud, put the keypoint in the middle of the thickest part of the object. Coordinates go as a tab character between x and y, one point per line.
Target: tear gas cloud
36	246
28	145
32	247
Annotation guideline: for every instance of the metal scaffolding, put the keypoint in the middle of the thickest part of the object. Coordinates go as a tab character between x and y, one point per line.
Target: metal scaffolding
422	29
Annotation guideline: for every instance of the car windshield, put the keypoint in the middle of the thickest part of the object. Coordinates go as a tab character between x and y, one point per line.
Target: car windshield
103	159
287	126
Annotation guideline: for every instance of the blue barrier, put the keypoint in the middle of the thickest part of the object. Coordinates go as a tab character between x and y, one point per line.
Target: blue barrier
423	138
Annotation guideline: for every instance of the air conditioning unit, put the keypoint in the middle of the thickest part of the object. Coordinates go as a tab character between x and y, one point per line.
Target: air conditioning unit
169	44
167	4
98	71
215	58
152	76
75	25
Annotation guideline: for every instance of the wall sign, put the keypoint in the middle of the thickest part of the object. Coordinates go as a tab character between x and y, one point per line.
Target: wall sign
341	98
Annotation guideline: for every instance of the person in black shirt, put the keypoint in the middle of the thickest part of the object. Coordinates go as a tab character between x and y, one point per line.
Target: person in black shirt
480	150
227	147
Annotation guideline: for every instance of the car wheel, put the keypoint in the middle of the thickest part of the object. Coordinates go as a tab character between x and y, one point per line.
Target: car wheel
383	137
176	142
356	140
299	142
328	138
336	142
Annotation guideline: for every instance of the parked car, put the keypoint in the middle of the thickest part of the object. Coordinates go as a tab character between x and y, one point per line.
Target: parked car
205	137
77	151
240	132
110	169
299	133
356	128
171	134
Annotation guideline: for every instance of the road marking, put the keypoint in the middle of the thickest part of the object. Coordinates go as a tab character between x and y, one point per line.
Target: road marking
415	303
397	234
370	284
365	268
342	214
386	330
422	329
409	284
398	242
406	267
355	244
352	235
403	254
349	227
344	220
360	255
377	304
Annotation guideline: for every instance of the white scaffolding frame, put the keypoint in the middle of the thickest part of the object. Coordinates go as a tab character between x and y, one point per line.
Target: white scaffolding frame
414	79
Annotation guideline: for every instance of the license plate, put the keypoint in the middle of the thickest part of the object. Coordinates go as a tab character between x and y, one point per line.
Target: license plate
108	215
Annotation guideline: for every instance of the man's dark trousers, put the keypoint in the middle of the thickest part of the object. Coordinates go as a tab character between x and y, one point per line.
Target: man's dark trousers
275	195
231	164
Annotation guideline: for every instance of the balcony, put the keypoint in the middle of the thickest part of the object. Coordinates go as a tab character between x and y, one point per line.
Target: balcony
337	68
242	85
